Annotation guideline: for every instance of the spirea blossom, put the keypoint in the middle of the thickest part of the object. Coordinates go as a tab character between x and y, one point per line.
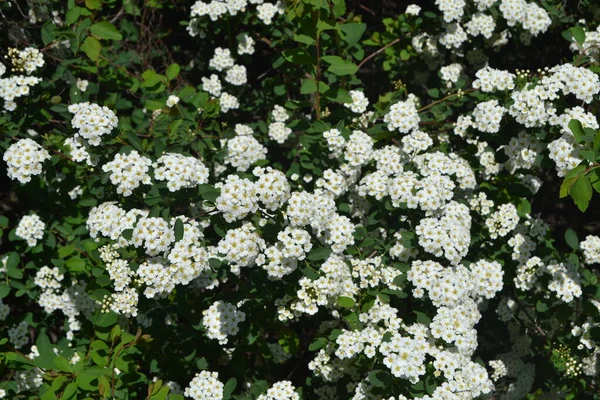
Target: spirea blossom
128	171
205	386
24	160
180	171
221	320
30	228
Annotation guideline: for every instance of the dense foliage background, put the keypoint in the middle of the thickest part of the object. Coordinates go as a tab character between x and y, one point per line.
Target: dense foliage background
308	199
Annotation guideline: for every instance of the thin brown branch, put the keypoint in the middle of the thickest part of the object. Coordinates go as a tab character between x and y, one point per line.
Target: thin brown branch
393	42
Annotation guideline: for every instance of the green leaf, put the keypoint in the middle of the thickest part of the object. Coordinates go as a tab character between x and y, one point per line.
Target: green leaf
75	264
65	251
345	302
353	32
581	192
106	30
93	4
577	129
92	47
172	71
571	239
340	66
63	364
152	78
69	391
308	86
541	306
320	253
579	34
594	178
229	388
346	68
134	140
4	290
317	344
178	230
304	39
565	187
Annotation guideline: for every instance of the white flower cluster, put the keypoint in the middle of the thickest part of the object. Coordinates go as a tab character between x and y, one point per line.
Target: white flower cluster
490	79
412	9
18	334
448	235
533	18
24	160
15	86
48	278
481	24
591	249
283	390
522	151
27	60
359	103
221	320
451	9
403	116
216	9
92	121
205	386
503	221
180	171
243	150
487	116
266	11
451	73
234	74
277	129
565	281
241	246
128	171
31	228
246	45
172	101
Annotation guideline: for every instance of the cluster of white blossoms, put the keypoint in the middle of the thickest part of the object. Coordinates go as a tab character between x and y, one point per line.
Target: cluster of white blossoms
31	228
221	320
180	171
283	390
205	386
481	24
277	129
591	249
564	278
24	62
243	150
241	246
487	116
217	9
452	9
235	75
451	73
490	79
503	221
92	121
172	101
403	116
359	103
24	159
128	171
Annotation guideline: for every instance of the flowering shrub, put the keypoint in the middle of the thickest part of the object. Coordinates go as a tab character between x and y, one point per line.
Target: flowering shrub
301	199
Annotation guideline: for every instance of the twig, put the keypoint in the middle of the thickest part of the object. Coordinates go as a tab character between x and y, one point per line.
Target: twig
378	51
444	99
